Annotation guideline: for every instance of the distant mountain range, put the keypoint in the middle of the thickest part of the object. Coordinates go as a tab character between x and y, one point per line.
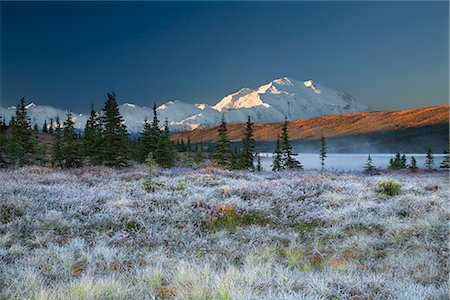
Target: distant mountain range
381	131
271	102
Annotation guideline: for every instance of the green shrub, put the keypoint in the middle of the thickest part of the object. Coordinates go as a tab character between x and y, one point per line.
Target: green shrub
389	187
298	259
294	258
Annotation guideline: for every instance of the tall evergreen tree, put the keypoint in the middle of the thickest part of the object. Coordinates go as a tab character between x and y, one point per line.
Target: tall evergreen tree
288	161
44	127
222	153
429	160
369	167
445	161
404	162
198	157
277	163
323	151
182	146
50	128
246	158
71	144
155	122
148	140
188	144
166	130
150	136
258	163
413	164
397	162
23	139
233	162
4	144
57	157
166	153
92	138
12	121
114	135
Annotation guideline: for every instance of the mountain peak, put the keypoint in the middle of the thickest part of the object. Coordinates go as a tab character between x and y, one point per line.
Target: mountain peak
129	104
30	105
284	81
310	84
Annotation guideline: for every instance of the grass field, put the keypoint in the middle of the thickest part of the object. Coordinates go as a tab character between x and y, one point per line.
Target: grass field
99	233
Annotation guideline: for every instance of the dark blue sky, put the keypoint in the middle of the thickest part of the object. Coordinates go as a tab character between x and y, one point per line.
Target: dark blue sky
388	55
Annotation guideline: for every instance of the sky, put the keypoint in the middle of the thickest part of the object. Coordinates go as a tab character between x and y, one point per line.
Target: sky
389	55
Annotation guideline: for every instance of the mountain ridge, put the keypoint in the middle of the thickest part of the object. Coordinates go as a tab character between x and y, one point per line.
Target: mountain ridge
331	126
270	102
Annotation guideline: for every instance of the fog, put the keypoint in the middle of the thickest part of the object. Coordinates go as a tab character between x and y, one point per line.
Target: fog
348	162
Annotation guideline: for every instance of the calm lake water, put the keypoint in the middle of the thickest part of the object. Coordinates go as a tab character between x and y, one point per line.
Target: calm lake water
348	162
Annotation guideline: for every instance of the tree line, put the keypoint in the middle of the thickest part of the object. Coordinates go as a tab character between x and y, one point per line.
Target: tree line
105	142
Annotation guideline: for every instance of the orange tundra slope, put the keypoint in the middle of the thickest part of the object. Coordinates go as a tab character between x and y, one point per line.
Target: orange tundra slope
337	125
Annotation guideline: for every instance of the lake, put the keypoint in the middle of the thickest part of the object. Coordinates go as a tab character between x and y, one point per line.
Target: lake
348	162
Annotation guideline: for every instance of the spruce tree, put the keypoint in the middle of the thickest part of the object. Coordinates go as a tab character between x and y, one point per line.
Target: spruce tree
57	157
246	158
155	122
429	160
222	153
288	162
258	164
445	161
12	121
35	127
188	144
92	138
233	162
23	139
198	157
397	162
403	161
323	151
44	127
277	162
50	128
71	144
114	135
369	167
166	152
148	140
4	145
413	164
150	137
188	160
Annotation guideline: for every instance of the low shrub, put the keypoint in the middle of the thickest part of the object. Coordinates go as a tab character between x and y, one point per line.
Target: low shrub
388	187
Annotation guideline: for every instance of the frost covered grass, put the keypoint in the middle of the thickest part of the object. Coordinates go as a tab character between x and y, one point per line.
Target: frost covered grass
95	233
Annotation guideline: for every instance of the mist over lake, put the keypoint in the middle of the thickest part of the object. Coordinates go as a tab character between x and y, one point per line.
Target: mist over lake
349	162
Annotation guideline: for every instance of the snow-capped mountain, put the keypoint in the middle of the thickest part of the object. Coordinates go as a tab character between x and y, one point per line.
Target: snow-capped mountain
271	102
294	99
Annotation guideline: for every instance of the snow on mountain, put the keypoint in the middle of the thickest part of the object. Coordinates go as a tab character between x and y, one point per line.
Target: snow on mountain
271	102
294	99
39	113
